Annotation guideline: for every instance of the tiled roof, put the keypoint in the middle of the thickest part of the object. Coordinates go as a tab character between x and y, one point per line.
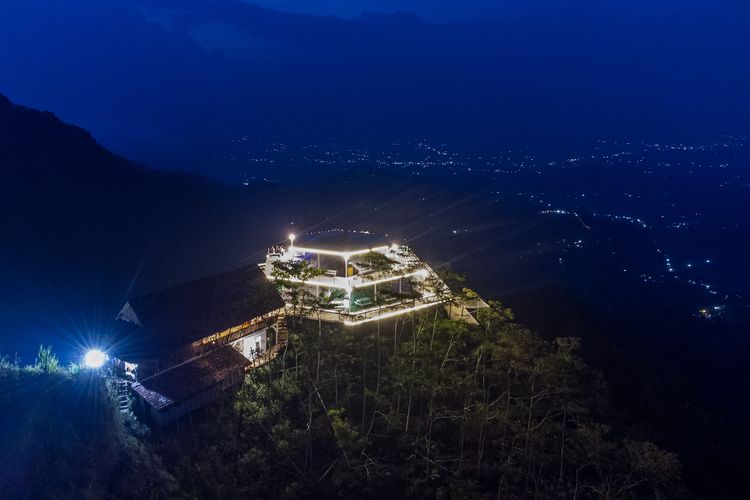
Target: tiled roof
191	378
183	314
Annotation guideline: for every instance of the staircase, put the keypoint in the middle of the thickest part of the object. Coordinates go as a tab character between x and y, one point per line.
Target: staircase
282	334
122	388
282	337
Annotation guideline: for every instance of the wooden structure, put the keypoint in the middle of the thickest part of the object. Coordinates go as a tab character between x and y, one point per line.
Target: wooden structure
465	309
186	344
179	390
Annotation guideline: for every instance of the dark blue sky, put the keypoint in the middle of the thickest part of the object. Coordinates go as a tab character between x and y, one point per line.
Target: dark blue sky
169	82
431	10
447	11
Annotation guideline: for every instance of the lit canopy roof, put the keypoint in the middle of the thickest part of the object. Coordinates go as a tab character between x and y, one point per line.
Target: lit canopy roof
340	241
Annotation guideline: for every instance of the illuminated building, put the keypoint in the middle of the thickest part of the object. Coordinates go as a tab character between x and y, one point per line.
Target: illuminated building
345	283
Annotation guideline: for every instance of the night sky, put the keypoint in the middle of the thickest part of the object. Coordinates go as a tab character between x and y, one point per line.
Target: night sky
168	83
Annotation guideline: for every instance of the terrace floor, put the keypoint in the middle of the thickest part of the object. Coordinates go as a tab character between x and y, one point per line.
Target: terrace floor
406	264
378	312
409	284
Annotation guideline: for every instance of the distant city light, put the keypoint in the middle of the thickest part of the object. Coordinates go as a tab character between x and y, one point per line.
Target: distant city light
94	358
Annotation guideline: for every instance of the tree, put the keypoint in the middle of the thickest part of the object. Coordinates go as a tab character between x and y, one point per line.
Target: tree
381	264
377	261
46	360
291	277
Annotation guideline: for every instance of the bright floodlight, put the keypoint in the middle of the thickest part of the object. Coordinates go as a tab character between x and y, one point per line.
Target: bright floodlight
291	236
94	358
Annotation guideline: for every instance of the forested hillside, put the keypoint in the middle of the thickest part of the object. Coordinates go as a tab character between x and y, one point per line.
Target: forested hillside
425	407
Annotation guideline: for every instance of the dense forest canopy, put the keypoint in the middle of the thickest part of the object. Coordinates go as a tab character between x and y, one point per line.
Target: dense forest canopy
422	407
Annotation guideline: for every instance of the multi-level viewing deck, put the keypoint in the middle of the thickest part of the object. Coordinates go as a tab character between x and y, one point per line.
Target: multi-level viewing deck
352	284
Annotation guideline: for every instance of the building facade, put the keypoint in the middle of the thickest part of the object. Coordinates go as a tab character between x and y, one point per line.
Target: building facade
183	345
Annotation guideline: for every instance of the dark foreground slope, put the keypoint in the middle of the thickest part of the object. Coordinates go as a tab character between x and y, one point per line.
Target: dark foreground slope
62	439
